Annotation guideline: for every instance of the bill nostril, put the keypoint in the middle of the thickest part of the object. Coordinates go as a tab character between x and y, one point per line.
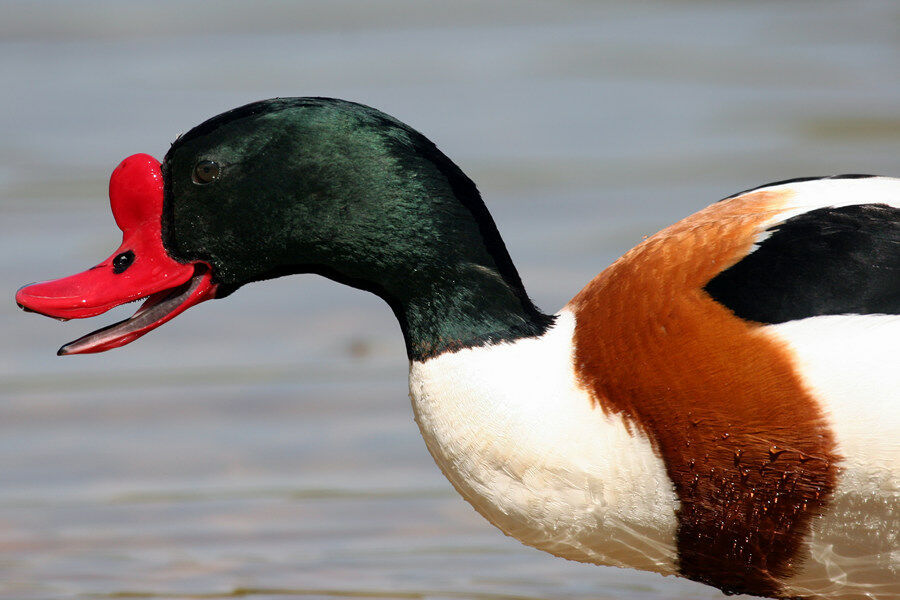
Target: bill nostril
122	261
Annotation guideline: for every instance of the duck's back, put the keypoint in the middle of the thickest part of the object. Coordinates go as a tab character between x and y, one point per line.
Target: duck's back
757	344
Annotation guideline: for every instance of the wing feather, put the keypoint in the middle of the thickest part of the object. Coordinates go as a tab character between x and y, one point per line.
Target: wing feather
827	261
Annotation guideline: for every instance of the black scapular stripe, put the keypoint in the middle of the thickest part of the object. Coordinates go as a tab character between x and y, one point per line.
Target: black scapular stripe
829	261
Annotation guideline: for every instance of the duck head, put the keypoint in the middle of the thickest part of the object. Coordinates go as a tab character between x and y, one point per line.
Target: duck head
300	185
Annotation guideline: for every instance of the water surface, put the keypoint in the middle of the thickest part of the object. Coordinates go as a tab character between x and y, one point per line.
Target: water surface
263	446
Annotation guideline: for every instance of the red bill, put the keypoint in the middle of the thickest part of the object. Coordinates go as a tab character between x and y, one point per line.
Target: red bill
140	269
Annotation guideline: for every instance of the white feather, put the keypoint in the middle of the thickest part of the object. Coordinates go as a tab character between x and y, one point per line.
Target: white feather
518	437
851	364
806	196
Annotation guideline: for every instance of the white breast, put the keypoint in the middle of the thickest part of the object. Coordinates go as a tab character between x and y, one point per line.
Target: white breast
514	433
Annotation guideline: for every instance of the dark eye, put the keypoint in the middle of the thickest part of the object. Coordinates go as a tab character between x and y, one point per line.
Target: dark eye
122	261
206	172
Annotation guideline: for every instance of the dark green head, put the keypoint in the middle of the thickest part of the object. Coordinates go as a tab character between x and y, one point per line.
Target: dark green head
317	185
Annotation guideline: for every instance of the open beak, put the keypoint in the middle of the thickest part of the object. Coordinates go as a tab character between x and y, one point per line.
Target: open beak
140	269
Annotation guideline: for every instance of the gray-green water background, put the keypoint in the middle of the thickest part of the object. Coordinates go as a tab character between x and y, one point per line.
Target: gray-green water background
263	446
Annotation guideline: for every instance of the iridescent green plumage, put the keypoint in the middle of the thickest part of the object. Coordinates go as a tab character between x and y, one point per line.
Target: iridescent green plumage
316	185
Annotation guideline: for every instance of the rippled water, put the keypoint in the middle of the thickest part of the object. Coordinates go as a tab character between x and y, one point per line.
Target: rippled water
263	446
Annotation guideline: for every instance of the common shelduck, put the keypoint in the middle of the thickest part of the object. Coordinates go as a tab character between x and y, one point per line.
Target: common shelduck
721	403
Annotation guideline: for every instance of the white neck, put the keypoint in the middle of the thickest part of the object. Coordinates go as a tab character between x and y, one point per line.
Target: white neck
519	438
